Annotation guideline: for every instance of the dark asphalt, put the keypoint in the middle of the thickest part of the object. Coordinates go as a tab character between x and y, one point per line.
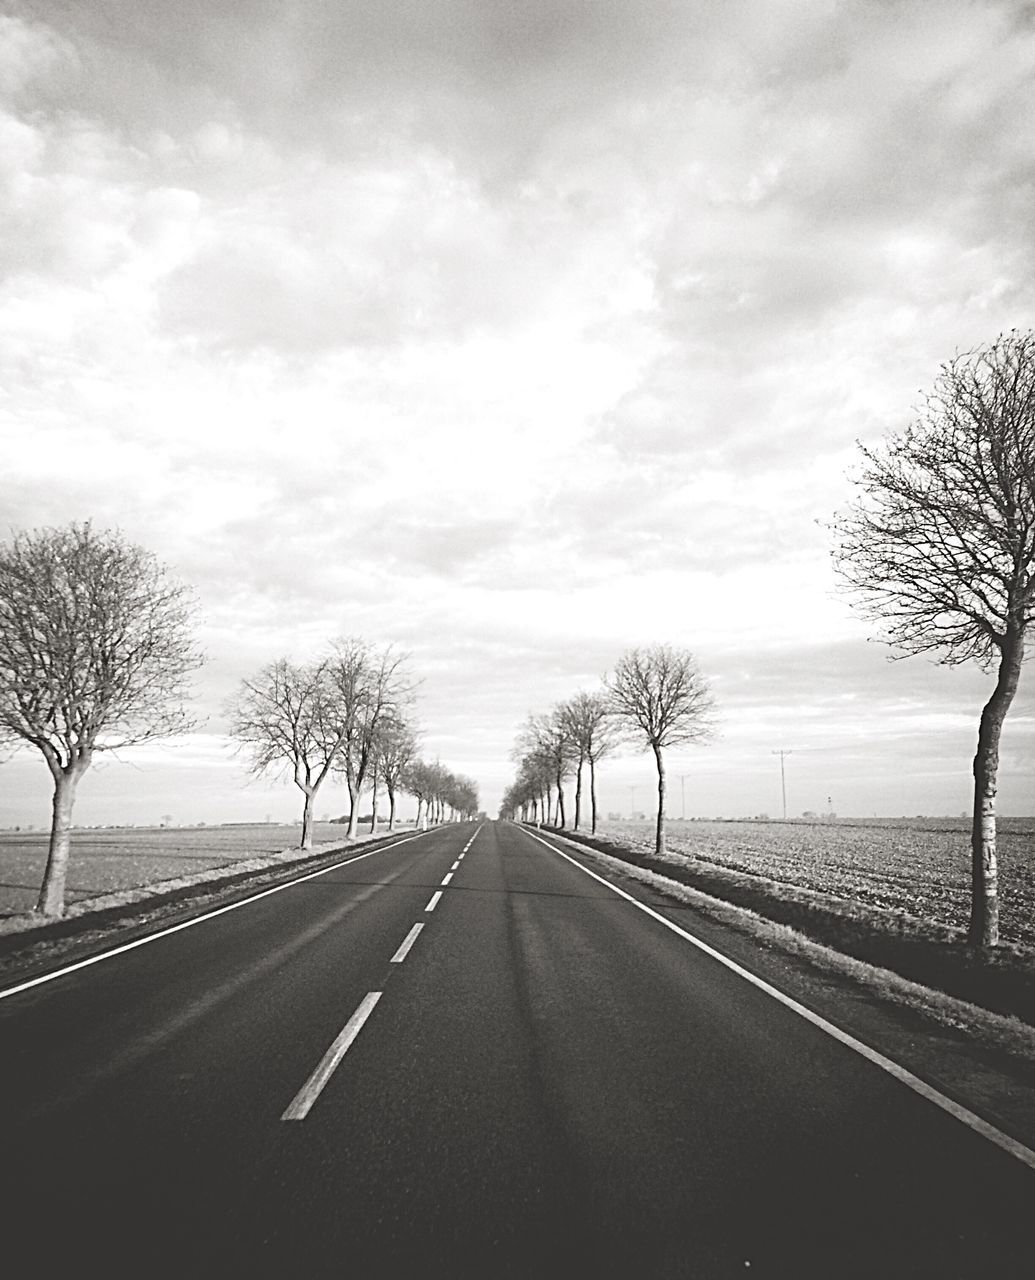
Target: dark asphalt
551	1085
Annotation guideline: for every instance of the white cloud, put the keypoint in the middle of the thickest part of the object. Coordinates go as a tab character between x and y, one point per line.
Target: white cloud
516	335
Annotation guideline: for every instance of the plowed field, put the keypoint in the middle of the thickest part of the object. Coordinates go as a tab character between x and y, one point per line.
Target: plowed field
919	865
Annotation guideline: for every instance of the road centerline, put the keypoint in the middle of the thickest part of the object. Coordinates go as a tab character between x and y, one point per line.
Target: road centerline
299	1107
447	877
407	943
434	900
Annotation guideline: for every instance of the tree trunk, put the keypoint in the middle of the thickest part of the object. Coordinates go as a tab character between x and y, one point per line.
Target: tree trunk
578	794
593	793
307	819
984	903
373	808
391	808
51	900
560	802
355	795
659	842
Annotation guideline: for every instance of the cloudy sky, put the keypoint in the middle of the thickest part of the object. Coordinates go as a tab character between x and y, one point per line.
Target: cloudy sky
514	333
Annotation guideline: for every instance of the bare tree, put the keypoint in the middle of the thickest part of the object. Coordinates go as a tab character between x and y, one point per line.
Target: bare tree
95	652
941	548
372	690
289	718
591	728
419	782
662	699
463	798
396	749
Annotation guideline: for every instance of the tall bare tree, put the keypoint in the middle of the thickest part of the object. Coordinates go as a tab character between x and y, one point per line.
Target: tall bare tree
372	691
591	728
940	547
95	654
662	699
396	749
289	717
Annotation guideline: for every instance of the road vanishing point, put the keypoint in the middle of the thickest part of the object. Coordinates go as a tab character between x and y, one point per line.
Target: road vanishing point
465	1053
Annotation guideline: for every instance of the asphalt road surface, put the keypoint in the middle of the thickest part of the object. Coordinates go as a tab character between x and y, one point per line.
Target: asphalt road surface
463	1056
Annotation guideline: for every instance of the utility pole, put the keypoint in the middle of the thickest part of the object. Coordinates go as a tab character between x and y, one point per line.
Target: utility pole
783	779
682	795
632	802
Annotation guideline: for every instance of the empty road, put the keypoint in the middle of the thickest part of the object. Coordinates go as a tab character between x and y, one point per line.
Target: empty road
464	1056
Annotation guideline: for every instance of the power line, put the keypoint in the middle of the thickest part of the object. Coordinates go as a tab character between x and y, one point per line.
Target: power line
783	778
682	789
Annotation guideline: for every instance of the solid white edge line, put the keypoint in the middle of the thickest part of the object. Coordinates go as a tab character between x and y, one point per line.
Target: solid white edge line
311	1090
447	877
209	915
434	900
1002	1140
407	943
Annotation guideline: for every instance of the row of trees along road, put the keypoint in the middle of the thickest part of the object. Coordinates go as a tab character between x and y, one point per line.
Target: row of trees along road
656	698
96	651
96	654
939	548
346	714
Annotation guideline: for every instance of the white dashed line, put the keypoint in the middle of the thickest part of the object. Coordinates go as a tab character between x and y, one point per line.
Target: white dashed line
434	900
470	842
446	878
456	863
310	1091
407	943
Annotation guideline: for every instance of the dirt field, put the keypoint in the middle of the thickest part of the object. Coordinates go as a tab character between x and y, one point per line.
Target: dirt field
918	865
114	858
